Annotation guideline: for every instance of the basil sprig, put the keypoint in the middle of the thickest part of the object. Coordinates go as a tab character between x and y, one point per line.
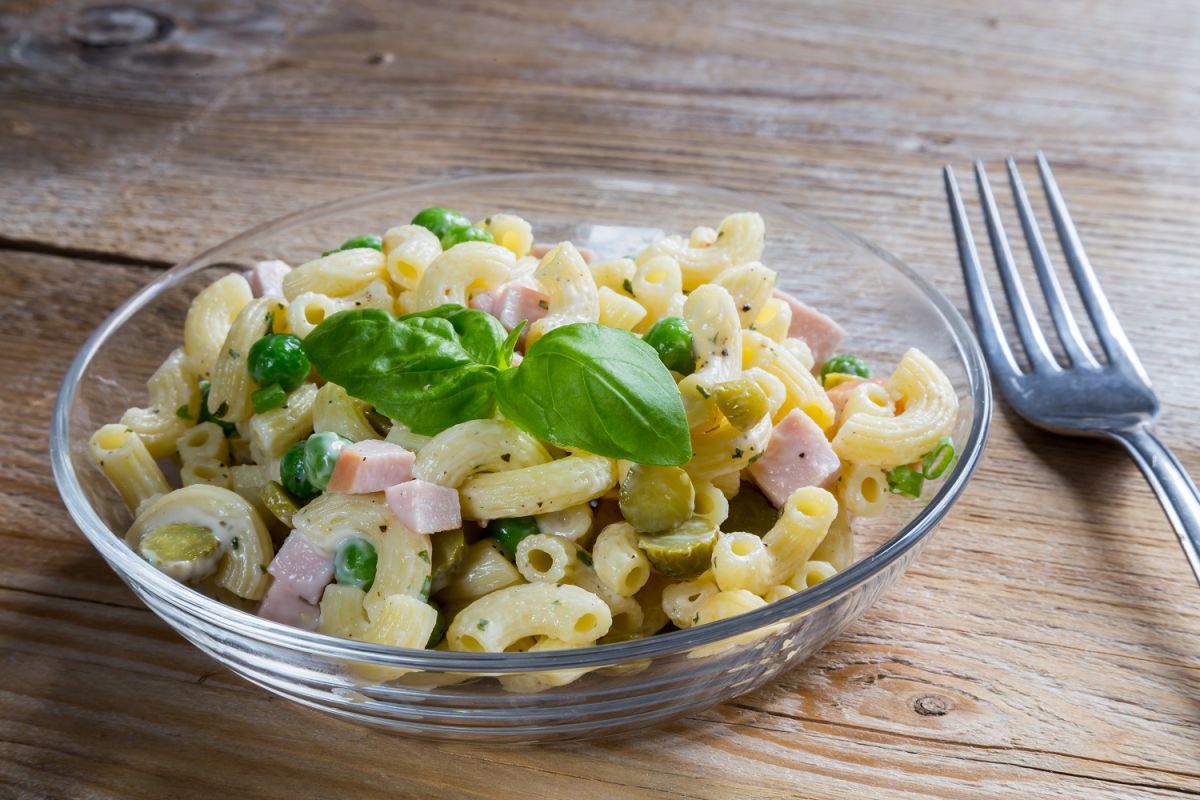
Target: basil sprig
581	386
417	370
480	334
600	389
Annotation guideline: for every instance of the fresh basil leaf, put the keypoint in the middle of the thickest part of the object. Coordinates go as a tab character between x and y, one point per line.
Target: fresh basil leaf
510	344
413	370
599	389
479	333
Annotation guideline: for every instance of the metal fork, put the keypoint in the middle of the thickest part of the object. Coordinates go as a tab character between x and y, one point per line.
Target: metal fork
1109	397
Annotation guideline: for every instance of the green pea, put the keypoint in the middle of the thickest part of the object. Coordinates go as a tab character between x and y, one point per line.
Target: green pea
439	221
278	358
465	233
845	364
509	532
366	240
268	397
672	340
906	481
439	627
320	456
294	476
354	563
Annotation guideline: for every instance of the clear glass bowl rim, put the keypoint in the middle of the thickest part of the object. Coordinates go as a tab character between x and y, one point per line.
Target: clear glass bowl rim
190	602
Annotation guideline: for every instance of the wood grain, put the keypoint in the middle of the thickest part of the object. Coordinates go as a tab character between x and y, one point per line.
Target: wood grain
1043	646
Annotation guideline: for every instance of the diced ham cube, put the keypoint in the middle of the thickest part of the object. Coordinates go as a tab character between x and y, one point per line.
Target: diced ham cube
518	303
798	455
485	301
280	605
511	302
819	332
301	574
301	567
838	395
370	466
266	278
425	507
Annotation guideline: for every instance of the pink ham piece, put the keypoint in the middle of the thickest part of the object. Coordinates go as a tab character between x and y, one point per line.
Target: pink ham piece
819	332
280	605
839	394
266	279
301	574
425	507
511	302
798	455
370	466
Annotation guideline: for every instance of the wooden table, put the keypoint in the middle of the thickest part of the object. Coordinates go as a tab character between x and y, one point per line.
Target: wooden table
1045	644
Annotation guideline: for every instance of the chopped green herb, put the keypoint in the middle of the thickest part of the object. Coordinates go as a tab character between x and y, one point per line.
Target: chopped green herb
268	397
938	460
543	304
426	585
234	543
627	285
738	452
183	412
584	556
423	555
906	481
700	390
754	458
234	354
483	623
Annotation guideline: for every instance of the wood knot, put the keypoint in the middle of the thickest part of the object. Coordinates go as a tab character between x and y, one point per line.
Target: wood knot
930	705
117	26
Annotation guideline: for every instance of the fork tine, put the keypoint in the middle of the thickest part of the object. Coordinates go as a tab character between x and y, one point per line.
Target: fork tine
1064	321
991	336
1028	329
1108	330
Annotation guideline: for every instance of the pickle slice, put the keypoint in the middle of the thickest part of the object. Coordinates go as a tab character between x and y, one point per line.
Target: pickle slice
656	498
176	542
742	402
750	512
449	550
682	552
278	502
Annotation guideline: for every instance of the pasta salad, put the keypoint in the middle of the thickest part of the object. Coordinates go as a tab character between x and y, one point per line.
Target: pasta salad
454	437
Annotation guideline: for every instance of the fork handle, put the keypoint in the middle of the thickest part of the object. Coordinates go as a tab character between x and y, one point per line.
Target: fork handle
1170	481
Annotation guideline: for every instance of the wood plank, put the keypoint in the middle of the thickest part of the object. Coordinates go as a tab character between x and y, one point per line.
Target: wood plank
1005	658
1043	645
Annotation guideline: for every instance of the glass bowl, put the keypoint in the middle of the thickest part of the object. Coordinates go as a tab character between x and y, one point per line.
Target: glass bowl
884	306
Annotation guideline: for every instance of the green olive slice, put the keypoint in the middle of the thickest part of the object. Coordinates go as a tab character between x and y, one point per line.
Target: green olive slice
449	550
179	541
682	552
742	402
278	502
656	498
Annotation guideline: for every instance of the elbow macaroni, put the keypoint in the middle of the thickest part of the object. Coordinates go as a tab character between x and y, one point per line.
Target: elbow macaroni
581	574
